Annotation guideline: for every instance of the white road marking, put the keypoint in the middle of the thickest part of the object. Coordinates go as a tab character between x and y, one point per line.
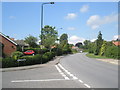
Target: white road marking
87	85
66	78
15	81
74	77
81	81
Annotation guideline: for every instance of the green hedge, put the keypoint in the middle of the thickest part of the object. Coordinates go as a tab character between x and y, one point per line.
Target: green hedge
113	52
30	60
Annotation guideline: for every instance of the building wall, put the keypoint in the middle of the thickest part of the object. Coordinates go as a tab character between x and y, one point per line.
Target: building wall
9	47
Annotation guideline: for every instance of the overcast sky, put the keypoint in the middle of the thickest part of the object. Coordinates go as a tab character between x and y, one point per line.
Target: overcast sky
80	20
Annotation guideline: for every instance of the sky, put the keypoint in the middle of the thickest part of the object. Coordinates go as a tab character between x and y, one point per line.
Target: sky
80	20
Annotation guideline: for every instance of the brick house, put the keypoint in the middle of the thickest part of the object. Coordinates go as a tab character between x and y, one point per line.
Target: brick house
8	45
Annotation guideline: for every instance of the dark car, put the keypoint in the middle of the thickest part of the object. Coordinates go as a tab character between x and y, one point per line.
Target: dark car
29	52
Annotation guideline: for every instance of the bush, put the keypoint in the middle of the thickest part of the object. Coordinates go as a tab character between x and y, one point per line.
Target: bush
16	55
112	52
9	62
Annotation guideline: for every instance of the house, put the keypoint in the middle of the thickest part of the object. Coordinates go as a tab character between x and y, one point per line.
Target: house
21	44
8	45
116	43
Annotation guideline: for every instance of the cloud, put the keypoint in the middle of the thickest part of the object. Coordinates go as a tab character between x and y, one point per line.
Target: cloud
116	37
96	21
75	39
84	8
71	16
92	40
71	28
12	17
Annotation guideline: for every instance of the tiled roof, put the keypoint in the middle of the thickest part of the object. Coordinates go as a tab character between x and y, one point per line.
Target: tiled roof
8	38
116	43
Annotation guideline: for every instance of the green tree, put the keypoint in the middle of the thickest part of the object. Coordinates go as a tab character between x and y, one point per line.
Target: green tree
91	47
86	44
31	40
64	39
103	48
99	43
49	36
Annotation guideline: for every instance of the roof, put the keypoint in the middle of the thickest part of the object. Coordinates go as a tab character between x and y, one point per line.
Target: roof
8	38
116	43
21	42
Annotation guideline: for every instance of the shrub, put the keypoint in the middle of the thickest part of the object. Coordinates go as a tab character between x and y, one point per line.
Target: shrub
112	52
9	62
16	55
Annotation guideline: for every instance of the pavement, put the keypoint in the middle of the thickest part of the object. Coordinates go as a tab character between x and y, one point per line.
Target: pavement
112	61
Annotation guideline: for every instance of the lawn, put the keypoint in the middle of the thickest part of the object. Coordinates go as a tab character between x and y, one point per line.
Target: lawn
96	56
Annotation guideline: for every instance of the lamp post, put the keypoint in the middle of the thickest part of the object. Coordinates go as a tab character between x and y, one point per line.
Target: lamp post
42	19
42	22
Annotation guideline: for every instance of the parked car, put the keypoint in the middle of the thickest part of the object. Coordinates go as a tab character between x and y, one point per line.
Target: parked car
29	52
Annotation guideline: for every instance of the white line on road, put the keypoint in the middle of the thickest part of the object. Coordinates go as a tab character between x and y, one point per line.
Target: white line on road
38	80
74	77
66	78
81	81
87	85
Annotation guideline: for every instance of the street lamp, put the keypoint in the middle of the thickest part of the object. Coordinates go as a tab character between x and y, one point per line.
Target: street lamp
42	18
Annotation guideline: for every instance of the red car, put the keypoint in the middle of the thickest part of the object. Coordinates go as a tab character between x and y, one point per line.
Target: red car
29	52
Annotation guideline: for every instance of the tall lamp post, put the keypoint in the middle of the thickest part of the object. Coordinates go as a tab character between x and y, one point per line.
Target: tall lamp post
42	19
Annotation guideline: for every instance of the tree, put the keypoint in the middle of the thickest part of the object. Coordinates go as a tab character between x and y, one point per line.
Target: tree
103	48
86	44
99	43
49	36
31	40
64	39
79	44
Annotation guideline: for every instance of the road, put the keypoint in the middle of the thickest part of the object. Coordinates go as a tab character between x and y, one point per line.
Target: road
96	74
73	71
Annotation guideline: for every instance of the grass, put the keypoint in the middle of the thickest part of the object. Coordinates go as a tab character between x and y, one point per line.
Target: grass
96	56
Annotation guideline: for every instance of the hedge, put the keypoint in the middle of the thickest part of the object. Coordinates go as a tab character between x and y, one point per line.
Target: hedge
30	60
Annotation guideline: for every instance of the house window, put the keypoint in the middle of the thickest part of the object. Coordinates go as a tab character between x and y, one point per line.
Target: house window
13	47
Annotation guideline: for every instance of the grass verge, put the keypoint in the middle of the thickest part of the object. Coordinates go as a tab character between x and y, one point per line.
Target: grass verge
97	56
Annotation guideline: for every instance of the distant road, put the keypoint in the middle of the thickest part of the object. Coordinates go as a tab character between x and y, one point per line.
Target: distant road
96	74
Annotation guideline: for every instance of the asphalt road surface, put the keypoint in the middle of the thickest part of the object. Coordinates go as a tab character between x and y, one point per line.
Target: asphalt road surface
73	71
96	74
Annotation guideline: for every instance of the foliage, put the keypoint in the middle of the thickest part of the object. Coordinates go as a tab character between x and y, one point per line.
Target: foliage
9	62
86	44
91	55
29	60
91	47
74	51
48	36
113	52
103	48
66	49
16	55
98	44
31	40
63	39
